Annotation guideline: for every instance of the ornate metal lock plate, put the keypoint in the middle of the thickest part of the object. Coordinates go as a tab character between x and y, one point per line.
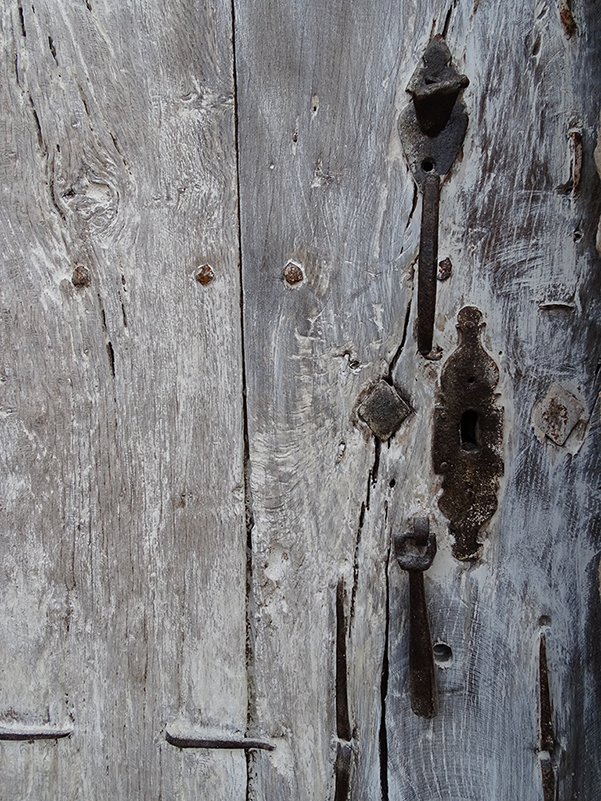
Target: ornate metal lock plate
468	433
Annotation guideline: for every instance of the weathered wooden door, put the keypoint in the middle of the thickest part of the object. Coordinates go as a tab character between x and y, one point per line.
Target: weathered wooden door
209	242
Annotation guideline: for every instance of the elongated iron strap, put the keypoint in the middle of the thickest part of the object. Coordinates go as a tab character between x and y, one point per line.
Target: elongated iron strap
427	268
422	680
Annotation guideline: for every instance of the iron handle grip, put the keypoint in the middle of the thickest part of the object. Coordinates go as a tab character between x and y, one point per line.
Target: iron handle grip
422	679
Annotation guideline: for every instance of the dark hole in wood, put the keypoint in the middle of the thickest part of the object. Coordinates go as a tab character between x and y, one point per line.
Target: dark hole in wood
442	653
469	431
427	165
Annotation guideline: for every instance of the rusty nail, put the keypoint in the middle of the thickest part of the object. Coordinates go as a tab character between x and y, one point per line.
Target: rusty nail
444	269
81	276
204	275
292	273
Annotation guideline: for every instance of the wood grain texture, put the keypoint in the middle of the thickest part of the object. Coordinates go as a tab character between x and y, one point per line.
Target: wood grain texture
316	110
324	183
136	603
122	538
523	252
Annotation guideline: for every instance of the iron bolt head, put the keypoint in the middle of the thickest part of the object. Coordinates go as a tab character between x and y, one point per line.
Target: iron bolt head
81	276
384	410
293	273
204	274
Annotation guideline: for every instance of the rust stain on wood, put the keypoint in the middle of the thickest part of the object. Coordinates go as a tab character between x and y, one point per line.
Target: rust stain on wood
205	274
567	18
559	414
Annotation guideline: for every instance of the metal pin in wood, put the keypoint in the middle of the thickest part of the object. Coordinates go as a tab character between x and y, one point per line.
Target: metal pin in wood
422	678
200	738
432	129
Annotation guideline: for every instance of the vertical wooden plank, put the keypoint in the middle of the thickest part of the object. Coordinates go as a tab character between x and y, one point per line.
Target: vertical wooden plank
520	237
319	193
123	542
325	188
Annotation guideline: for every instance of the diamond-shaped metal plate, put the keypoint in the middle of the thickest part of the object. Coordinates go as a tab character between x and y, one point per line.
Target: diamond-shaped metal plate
384	410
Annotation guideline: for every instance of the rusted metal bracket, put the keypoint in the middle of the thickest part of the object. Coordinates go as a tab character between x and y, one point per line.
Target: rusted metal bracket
468	435
432	129
422	679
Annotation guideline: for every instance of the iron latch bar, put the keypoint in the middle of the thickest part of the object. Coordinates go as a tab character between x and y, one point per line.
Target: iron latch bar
432	129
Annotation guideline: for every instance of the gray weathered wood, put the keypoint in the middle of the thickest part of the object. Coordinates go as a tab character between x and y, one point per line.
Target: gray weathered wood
122	537
132	609
324	183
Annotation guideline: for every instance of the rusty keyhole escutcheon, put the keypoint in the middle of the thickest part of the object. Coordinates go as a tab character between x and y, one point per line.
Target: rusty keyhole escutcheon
468	436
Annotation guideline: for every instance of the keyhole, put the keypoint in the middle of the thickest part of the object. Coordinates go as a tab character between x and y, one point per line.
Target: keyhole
469	430
442	653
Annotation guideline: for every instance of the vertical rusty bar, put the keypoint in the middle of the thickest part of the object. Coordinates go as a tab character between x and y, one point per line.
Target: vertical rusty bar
427	266
422	681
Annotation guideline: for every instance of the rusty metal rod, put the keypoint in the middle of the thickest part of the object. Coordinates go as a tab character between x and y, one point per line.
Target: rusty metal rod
427	266
183	741
422	679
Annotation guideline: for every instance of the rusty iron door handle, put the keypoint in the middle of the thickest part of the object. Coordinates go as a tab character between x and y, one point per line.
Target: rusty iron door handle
422	678
432	129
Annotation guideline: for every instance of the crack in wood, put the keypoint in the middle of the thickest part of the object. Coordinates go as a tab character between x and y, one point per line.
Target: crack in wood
447	21
383	736
547	732
37	124
399	350
109	345
342	766
343	725
251	694
372	478
22	19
